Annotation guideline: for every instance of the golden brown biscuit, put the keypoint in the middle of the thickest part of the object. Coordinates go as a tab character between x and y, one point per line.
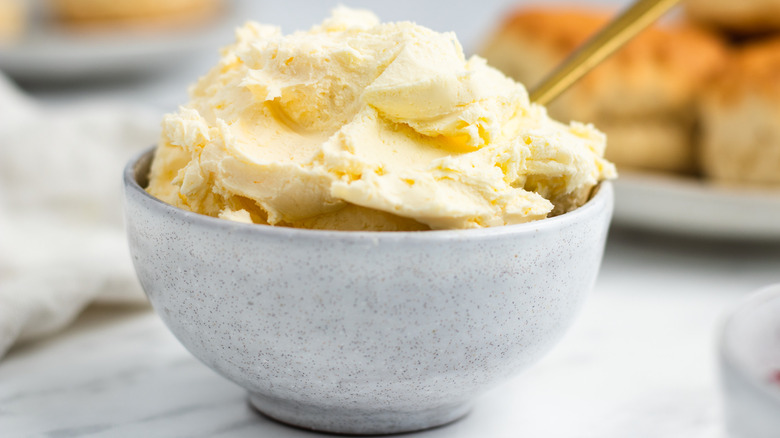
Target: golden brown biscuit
737	16
741	118
97	13
13	18
642	97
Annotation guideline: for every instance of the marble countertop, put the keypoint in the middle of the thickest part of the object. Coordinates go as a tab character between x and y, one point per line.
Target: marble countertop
639	362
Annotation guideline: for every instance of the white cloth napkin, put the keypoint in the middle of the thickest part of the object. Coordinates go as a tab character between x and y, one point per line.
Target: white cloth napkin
62	242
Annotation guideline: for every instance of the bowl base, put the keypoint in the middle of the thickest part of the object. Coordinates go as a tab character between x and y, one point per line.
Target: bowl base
355	421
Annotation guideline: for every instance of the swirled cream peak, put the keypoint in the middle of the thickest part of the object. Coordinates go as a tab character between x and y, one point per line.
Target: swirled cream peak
358	125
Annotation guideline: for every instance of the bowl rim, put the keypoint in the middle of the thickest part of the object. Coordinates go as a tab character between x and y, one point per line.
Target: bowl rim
729	359
601	200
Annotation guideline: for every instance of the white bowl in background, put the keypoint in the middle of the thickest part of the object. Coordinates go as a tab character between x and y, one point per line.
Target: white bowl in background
750	366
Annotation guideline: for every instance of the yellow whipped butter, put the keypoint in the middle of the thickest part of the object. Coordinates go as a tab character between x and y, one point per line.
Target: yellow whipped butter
362	125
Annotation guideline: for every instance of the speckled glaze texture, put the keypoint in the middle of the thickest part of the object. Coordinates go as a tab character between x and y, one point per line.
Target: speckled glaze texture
363	332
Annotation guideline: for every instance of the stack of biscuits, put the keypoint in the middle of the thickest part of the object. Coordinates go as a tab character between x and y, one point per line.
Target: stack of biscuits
740	114
679	98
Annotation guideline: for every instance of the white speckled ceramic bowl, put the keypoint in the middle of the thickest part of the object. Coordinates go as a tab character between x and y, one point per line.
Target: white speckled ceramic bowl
363	332
750	366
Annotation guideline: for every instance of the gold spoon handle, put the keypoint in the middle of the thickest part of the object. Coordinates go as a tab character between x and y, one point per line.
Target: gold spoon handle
619	31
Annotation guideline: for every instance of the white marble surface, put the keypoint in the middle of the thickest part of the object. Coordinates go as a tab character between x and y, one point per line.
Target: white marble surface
639	362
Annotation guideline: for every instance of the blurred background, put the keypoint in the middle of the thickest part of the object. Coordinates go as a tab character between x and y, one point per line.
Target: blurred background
691	110
55	58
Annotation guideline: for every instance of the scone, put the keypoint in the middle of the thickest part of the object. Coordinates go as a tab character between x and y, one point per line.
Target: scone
13	19
93	13
642	97
741	119
737	16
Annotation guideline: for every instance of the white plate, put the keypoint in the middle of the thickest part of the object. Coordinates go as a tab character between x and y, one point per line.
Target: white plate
50	53
694	207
